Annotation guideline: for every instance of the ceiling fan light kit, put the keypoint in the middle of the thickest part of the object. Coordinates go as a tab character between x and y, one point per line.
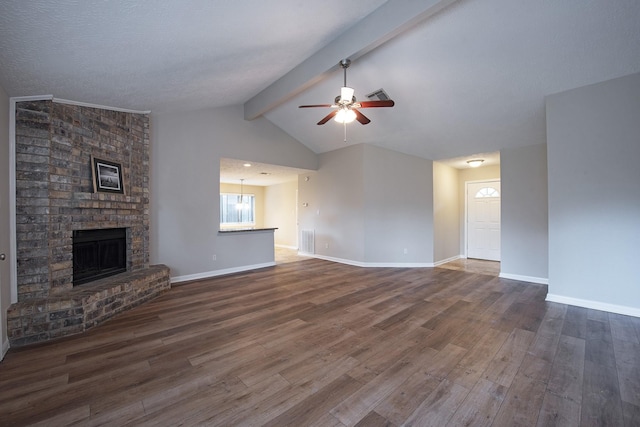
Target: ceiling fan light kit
346	95
346	106
344	115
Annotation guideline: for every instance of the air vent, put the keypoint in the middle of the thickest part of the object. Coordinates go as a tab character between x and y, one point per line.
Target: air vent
378	95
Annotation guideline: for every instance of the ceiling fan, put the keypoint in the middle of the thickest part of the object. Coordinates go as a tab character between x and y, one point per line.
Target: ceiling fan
346	106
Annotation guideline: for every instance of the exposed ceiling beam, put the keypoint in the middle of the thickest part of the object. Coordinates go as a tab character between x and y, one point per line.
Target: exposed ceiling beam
383	24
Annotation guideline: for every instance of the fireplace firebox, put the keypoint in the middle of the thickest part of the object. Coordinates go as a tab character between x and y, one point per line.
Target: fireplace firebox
98	254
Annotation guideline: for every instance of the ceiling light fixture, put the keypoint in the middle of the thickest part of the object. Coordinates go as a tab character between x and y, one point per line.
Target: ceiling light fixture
241	205
247	165
345	115
346	94
475	162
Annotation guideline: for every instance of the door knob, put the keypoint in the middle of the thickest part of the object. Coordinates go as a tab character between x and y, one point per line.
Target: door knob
3	257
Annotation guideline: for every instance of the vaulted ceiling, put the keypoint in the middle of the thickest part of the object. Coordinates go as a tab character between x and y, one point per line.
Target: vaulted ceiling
467	76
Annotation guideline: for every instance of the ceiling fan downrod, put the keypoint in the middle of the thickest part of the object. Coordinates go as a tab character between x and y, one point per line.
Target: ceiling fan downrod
345	64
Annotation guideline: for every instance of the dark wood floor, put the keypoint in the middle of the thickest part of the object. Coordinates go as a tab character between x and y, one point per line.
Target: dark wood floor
318	343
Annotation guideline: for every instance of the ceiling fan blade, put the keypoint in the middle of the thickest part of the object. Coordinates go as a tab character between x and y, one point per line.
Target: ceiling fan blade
316	106
372	104
361	117
328	117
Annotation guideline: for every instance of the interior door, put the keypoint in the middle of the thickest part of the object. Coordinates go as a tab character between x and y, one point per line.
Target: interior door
483	220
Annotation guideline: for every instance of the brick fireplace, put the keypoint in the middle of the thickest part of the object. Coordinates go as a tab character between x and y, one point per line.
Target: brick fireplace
54	198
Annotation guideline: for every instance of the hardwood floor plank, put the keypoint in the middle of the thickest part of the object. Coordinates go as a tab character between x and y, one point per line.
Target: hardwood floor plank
624	328
601	403
125	415
316	343
535	368
544	346
575	322
76	415
631	414
553	319
504	366
522	404
471	367
480	406
599	344
374	420
316	404
439	407
356	406
558	412
628	367
567	372
405	399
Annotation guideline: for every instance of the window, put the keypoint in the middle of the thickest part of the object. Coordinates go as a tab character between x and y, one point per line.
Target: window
487	192
233	212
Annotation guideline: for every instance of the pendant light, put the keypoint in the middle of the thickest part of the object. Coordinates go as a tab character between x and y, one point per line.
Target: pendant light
239	205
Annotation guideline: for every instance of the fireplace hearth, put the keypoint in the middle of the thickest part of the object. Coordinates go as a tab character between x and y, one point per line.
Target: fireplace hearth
54	196
98	254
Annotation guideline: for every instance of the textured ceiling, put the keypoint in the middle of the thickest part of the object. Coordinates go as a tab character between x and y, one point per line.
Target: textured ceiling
162	55
470	79
260	174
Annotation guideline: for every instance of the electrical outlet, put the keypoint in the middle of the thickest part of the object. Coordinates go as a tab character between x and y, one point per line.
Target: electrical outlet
214	257
326	246
406	251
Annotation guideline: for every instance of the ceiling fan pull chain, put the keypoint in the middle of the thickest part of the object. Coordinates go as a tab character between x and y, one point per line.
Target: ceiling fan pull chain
345	132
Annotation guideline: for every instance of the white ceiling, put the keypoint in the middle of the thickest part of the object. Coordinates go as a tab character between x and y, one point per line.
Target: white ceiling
469	79
260	174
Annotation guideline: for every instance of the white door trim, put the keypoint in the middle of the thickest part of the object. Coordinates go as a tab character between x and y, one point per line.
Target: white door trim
466	208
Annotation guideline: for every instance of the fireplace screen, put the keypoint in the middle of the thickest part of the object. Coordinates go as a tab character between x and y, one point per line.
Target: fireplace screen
98	254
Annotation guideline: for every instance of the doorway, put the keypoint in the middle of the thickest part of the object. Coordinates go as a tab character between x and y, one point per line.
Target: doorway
483	220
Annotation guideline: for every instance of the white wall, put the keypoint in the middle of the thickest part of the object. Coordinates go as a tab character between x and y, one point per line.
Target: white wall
524	214
593	143
5	243
280	212
185	173
446	212
367	204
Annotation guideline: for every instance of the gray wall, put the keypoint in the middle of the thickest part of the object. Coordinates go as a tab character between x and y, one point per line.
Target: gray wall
398	207
335	197
367	204
186	150
593	143
524	239
5	243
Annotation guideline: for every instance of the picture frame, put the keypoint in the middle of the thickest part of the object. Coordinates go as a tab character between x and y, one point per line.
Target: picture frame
107	176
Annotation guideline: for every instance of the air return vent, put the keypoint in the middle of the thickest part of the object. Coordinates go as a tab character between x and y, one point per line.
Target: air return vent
378	95
307	242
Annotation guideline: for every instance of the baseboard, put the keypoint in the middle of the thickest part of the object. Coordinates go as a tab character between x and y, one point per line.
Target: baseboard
5	348
530	279
223	272
370	264
444	261
595	305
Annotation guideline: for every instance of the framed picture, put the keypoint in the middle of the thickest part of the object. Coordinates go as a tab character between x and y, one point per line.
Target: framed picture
107	176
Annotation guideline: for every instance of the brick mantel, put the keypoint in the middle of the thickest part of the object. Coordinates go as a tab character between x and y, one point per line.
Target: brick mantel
54	190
